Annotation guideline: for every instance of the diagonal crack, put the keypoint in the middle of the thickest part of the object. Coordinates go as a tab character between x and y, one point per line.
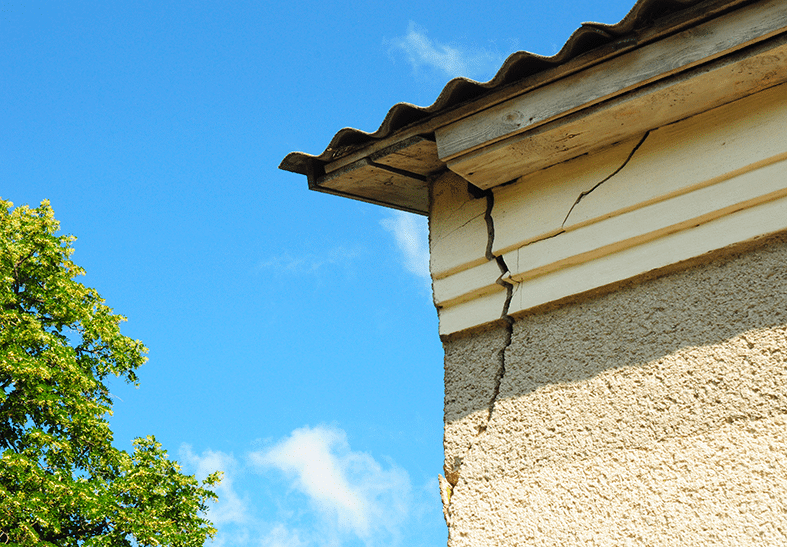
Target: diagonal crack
509	286
618	170
457	228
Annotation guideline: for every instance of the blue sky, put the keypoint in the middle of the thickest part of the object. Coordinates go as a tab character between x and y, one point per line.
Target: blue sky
292	338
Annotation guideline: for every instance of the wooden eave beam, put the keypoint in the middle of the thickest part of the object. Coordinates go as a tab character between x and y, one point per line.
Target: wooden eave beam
717	62
391	171
667	26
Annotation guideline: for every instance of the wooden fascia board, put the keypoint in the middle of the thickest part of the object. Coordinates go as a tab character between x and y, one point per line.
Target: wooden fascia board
687	18
393	177
343	176
322	184
534	129
662	59
712	180
635	113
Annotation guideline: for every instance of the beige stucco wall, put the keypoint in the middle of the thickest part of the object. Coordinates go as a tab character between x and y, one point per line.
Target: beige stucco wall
654	414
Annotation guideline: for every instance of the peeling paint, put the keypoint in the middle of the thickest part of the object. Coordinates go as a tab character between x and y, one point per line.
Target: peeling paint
446	489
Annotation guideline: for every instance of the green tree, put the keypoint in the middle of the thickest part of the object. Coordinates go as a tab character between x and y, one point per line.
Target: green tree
61	480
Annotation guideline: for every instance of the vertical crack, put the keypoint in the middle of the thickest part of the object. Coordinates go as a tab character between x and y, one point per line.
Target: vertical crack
508	320
618	170
501	370
449	483
490	226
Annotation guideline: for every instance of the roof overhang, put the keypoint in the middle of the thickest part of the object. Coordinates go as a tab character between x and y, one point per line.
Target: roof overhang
665	61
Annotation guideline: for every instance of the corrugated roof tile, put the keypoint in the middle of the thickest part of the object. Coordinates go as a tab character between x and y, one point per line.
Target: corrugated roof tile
517	67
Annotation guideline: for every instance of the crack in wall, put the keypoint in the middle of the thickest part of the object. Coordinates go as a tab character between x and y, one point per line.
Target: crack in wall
509	326
501	371
509	321
509	286
618	170
490	226
539	239
446	234
449	483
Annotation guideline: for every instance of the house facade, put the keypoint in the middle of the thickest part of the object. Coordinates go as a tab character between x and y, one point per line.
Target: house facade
608	236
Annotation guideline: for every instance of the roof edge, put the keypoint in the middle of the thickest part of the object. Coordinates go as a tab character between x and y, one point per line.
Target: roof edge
517	67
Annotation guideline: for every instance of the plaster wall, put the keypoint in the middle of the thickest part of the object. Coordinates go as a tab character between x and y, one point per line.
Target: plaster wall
652	415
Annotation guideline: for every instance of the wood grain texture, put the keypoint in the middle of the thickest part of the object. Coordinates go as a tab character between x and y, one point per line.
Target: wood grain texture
369	182
602	82
686	18
698	151
658	104
712	180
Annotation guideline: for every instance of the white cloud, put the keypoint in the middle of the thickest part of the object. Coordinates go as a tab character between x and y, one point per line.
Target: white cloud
281	536
310	489
230	509
310	263
411	233
421	51
350	491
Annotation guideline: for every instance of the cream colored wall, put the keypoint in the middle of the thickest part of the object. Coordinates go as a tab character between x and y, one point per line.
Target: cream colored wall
615	331
655	414
652	200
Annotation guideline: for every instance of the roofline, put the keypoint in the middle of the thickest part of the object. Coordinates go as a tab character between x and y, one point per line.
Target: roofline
590	44
392	166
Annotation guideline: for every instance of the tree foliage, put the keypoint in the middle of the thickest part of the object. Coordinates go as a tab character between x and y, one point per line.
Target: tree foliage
61	480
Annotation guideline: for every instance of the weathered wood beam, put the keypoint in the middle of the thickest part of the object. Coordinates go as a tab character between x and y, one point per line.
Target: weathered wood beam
667	26
658	104
720	61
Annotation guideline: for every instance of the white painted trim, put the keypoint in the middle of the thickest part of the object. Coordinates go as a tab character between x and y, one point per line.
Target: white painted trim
472	313
641	226
707	182
738	227
458	235
467	284
700	151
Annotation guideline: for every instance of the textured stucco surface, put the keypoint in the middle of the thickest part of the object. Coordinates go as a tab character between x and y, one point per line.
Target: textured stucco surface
472	370
652	415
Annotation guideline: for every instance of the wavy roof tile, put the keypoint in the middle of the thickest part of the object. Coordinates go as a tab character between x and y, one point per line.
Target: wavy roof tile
517	67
